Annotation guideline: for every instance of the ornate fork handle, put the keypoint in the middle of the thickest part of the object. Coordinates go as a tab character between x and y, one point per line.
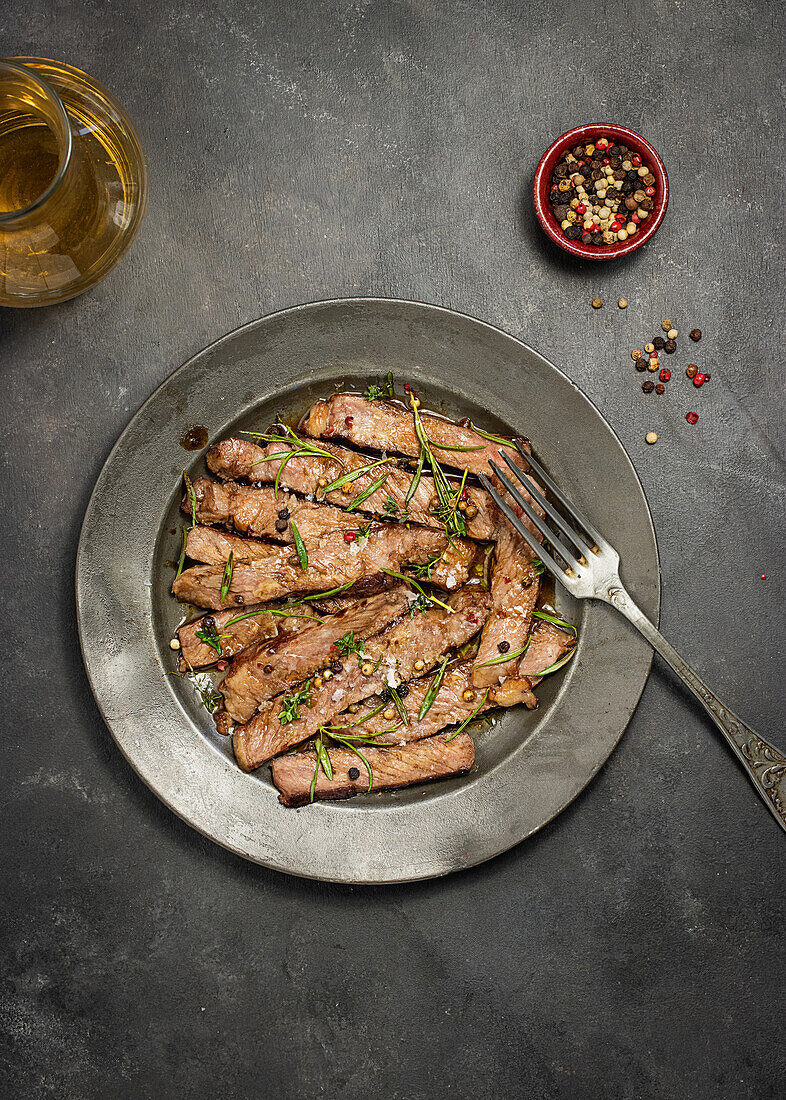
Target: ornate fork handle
764	764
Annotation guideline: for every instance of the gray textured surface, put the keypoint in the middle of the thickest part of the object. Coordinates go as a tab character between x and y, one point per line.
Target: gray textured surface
635	947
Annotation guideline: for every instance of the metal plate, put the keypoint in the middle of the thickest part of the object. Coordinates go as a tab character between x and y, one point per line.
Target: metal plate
529	764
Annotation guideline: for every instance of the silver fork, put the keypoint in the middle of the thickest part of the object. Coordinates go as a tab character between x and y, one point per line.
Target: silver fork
590	570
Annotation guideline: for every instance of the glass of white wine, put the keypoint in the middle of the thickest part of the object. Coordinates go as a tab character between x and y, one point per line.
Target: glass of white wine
73	182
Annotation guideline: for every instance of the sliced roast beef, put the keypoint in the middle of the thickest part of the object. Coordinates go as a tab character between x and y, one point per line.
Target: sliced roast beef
391	768
384	425
269	668
260	512
388	659
309	474
331	562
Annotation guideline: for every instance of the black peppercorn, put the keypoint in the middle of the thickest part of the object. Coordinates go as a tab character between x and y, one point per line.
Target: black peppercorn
336	666
573	232
586	238
503	647
385	695
354	773
660	388
267	669
648	386
284	513
597	238
659	343
281	525
670	347
403	690
641	364
695	334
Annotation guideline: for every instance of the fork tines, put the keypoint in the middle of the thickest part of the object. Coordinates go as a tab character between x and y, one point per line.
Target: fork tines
571	561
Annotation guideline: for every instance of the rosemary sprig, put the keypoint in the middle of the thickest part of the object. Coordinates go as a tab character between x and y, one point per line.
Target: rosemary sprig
398	703
557	664
555	619
192	500
349	741
274	611
353	475
505	657
322	595
538	566
182	561
474	714
494	438
319	748
433	688
226	580
446	511
366	493
292	702
300	547
418	588
297	449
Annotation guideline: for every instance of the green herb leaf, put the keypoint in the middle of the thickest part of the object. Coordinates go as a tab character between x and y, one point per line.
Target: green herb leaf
192	500
372	392
505	657
353	475
474	714
557	664
363	531
494	438
322	595
555	620
433	688
204	685
389	384
292	701
300	547
538	566
348	645
366	493
226	580
358	753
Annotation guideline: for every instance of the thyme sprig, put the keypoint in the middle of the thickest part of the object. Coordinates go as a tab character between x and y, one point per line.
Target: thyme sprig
207	692
292	701
209	636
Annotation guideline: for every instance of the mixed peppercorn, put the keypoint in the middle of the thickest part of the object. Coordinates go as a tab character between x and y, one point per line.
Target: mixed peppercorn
601	193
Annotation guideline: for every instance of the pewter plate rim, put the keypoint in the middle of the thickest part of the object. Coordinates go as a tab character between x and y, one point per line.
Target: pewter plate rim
382	839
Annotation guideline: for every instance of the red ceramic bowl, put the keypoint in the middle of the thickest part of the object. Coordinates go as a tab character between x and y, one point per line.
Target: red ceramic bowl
542	186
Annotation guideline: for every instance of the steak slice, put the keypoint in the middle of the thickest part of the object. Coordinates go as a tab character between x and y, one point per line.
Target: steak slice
258	511
212	546
331	562
271	667
515	584
448	708
384	425
234	458
195	653
392	655
433	758
548	644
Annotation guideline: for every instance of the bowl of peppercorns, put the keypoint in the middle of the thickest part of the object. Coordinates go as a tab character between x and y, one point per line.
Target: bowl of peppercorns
600	191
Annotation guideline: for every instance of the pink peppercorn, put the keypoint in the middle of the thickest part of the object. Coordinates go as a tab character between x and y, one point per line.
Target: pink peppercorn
222	666
691	417
649	191
349	536
636	160
699	379
635	218
581	208
665	374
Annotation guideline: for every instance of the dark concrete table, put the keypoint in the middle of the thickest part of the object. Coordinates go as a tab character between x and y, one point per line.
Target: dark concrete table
635	947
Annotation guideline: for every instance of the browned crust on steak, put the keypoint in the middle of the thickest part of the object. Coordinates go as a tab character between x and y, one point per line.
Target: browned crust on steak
426	636
194	653
269	668
331	562
393	768
240	458
387	426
